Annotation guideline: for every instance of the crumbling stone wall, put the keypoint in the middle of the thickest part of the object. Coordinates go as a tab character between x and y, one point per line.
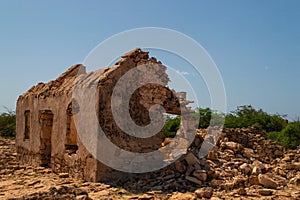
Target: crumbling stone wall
53	139
141	101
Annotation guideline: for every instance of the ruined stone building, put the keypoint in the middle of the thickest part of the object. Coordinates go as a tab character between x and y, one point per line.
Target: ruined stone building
46	132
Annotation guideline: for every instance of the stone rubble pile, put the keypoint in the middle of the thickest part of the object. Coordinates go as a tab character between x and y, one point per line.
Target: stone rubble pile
242	165
242	162
24	182
8	162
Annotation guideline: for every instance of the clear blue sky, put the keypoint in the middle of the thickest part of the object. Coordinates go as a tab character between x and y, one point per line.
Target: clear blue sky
255	44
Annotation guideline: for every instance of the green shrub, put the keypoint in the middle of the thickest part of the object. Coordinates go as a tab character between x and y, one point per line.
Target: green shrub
245	116
272	136
289	137
8	124
217	119
208	117
204	115
171	126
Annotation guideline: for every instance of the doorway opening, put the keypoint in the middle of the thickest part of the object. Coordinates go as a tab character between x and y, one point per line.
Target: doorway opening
46	123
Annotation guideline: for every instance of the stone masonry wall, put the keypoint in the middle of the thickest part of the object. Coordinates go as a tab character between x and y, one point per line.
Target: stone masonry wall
53	139
140	102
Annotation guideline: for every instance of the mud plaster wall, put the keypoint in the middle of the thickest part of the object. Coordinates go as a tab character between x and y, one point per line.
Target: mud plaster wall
57	96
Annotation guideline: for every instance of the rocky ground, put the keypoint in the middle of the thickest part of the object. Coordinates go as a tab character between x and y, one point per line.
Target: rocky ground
243	165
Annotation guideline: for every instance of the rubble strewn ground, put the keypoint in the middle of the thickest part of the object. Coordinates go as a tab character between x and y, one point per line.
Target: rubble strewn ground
243	165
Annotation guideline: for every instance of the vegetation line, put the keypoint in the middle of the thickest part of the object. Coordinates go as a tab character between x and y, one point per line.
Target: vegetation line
277	127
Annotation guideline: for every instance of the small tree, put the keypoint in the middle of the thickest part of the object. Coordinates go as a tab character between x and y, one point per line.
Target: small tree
171	126
217	119
8	124
204	115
